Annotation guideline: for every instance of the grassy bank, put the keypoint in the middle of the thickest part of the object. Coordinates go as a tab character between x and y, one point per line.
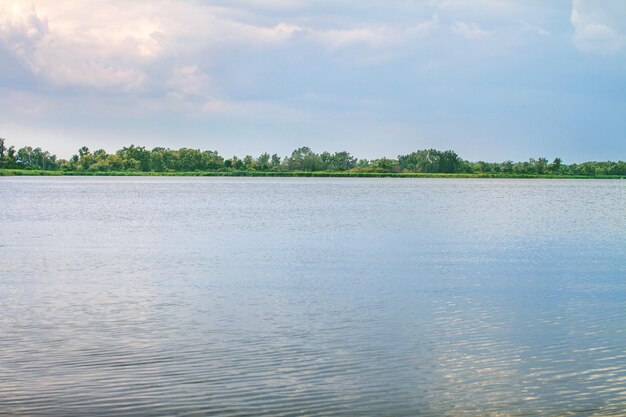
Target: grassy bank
340	174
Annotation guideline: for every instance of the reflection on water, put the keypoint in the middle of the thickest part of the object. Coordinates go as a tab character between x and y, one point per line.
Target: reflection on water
312	297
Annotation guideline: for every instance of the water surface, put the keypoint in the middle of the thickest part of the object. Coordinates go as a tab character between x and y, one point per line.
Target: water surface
312	297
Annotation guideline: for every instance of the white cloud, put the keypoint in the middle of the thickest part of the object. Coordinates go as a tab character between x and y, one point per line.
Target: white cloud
599	27
338	38
487	8
465	4
187	81
469	30
535	29
376	37
21	30
75	52
114	44
196	57
424	28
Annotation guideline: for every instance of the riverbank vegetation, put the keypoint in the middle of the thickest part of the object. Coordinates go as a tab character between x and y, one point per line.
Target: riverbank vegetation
137	160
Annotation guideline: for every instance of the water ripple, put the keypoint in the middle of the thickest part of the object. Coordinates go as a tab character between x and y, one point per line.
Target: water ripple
312	297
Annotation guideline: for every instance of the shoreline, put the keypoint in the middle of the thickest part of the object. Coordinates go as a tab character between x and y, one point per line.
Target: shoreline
313	174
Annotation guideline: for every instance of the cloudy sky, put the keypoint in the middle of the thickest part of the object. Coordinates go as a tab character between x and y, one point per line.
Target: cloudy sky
491	79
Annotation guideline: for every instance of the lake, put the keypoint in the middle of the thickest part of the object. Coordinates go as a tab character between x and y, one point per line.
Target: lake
312	297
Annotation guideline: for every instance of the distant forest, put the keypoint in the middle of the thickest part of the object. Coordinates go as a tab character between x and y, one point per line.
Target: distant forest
163	160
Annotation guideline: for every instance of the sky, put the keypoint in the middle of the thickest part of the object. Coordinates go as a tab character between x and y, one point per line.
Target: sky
491	79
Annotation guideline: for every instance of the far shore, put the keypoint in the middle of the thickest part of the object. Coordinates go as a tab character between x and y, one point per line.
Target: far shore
321	174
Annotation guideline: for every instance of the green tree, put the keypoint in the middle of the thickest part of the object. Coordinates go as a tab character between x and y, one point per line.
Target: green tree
137	153
506	166
303	159
430	160
540	165
249	163
263	162
236	163
340	161
385	165
362	163
275	162
27	157
555	166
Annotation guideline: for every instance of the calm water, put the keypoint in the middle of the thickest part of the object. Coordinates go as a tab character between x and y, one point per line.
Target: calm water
312	297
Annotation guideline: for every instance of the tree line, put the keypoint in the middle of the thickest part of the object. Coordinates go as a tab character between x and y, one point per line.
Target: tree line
139	159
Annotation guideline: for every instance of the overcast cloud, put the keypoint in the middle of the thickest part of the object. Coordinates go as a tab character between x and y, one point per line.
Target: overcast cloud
492	79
